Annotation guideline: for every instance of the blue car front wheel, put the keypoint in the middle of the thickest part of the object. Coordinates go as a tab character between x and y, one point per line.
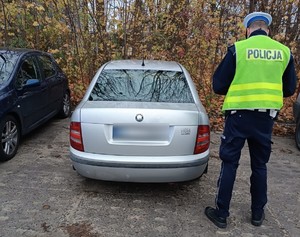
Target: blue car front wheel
10	138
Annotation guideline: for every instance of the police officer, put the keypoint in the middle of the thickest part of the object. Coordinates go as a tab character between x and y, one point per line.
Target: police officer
255	75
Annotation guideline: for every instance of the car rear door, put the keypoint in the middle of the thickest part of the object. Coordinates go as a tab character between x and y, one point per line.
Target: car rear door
32	98
55	82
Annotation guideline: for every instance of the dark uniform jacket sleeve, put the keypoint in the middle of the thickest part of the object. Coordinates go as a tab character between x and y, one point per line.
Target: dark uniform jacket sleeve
289	79
224	73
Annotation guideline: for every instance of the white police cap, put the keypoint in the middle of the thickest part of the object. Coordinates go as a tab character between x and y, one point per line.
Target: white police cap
257	16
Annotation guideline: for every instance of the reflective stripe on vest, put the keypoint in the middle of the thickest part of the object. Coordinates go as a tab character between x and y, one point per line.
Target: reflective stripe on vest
257	84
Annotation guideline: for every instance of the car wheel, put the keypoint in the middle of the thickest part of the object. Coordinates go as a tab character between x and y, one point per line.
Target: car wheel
297	134
65	109
10	138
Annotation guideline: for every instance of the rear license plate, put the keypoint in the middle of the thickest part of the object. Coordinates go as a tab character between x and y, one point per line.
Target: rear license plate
141	133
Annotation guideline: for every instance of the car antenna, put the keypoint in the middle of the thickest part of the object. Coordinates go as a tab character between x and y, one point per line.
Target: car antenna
143	62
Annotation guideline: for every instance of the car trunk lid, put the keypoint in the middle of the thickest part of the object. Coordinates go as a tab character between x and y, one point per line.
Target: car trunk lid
139	128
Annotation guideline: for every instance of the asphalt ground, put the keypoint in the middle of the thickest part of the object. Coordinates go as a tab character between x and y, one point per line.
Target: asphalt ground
41	195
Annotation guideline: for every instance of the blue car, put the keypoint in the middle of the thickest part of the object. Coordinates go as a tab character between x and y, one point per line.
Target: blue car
33	89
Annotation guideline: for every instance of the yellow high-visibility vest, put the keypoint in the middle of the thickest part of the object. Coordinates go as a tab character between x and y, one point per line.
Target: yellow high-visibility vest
257	84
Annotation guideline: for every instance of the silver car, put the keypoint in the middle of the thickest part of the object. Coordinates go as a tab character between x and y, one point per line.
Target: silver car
140	121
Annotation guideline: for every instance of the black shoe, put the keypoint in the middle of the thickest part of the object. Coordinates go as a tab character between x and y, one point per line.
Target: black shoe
211	213
257	220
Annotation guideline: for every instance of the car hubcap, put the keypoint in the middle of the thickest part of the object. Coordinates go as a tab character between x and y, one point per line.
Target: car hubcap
66	104
9	137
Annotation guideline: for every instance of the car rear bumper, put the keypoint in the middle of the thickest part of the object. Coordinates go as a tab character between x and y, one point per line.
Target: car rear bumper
139	169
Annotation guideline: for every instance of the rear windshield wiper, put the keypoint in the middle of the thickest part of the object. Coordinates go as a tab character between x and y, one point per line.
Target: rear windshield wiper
3	63
3	58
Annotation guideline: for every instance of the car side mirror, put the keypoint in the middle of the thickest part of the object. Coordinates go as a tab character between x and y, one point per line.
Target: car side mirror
32	83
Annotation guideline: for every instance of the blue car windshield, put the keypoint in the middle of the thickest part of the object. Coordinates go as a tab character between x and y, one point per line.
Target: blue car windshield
7	64
142	85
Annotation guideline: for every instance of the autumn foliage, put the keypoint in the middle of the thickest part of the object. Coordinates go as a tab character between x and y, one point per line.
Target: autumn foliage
84	34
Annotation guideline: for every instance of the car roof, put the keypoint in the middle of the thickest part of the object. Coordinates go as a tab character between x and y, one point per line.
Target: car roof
144	65
18	51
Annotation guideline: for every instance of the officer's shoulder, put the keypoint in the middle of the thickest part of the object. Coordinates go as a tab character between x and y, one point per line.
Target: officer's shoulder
232	49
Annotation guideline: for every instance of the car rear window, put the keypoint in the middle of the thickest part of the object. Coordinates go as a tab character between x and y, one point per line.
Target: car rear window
142	85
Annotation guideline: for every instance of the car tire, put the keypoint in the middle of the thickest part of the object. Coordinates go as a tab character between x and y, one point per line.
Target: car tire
297	134
65	109
10	138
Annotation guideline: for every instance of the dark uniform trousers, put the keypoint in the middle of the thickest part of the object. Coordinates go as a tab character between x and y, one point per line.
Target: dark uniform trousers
255	127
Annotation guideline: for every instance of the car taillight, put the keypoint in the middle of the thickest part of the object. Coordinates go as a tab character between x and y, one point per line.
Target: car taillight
202	139
75	136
